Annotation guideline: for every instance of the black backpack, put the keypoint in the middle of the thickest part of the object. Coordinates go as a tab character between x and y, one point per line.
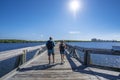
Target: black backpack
50	45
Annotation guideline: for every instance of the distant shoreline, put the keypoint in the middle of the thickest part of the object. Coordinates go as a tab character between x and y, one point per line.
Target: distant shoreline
18	41
30	41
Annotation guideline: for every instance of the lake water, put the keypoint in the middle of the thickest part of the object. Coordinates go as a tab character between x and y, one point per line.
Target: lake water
102	45
100	59
10	46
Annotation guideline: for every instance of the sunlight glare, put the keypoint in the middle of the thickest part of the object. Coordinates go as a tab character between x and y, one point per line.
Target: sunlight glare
74	6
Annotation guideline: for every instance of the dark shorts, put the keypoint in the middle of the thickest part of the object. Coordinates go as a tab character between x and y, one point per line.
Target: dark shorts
50	52
62	52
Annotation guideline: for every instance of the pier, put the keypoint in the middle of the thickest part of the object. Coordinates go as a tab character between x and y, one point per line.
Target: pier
74	68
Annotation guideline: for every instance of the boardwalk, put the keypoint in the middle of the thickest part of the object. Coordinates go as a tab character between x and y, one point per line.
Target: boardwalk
38	69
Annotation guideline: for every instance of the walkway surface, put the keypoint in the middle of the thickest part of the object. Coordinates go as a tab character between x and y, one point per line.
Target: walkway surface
39	69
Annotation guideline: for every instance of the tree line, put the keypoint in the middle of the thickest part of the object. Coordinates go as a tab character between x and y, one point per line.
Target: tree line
17	41
30	41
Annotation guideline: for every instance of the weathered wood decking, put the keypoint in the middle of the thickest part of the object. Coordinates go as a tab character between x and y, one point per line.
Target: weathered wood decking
39	69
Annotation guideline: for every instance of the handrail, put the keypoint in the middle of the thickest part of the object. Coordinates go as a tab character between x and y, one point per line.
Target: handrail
87	53
11	53
20	55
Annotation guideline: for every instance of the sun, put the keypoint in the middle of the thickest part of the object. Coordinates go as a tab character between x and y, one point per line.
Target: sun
74	6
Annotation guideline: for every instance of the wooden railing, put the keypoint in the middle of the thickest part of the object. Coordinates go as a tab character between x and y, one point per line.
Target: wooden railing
75	51
11	53
20	56
21	53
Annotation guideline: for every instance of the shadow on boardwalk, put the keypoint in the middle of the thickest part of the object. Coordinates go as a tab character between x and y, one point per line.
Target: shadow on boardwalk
75	68
38	67
81	69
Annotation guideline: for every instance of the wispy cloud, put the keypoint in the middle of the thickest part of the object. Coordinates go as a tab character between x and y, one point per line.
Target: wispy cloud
74	32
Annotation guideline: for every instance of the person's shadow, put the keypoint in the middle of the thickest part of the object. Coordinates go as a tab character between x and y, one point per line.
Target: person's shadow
81	69
38	67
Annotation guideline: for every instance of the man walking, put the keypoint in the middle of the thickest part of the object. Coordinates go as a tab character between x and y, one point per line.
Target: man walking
50	46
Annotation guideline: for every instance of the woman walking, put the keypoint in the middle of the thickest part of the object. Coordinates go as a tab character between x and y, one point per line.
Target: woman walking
62	47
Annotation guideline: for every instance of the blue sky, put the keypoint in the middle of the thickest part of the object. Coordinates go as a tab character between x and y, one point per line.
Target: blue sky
39	19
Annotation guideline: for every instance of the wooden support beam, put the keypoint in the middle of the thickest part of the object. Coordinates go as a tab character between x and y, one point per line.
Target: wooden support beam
86	58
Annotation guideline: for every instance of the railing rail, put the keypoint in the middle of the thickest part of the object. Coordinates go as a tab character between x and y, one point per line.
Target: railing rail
11	53
87	54
20	56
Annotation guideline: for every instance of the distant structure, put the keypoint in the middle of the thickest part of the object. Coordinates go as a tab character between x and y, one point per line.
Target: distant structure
94	39
100	40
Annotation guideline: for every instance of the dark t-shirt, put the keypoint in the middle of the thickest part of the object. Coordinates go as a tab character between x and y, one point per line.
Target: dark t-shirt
62	47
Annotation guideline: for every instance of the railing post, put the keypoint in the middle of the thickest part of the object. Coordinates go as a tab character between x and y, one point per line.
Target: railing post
21	59
18	61
74	53
24	56
86	58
